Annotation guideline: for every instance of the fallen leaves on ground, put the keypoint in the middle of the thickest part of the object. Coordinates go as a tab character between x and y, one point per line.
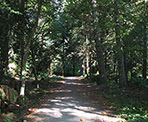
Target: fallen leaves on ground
33	109
29	116
83	120
104	113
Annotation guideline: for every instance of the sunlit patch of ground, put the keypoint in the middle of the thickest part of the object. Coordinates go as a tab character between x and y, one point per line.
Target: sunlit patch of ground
81	113
62	81
68	104
72	78
60	91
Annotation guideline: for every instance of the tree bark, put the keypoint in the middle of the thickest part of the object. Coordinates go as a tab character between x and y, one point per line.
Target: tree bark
73	64
87	64
122	71
27	47
34	62
84	67
100	59
63	59
4	47
144	72
98	42
120	51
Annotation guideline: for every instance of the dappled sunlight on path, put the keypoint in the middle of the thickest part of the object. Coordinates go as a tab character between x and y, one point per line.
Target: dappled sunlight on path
68	104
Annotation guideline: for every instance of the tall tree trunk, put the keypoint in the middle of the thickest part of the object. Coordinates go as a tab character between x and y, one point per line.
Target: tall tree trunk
98	43
84	67
1	67
33	61
90	65
87	55
87	64
122	71
50	69
120	52
63	58
4	48
144	72
22	40
27	47
73	64
100	59
63	67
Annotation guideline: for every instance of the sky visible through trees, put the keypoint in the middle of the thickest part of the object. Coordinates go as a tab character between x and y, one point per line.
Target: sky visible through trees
106	38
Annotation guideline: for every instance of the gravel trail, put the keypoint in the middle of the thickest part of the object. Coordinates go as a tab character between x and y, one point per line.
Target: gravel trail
70	103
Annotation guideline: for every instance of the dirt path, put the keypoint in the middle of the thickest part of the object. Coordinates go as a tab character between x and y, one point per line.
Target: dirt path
70	103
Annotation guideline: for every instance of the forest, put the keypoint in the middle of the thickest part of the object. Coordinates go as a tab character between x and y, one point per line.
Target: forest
103	41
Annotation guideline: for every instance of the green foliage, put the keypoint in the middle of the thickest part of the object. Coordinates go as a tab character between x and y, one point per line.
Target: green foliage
7	7
126	105
7	119
139	120
94	78
2	94
7	93
139	82
23	101
61	38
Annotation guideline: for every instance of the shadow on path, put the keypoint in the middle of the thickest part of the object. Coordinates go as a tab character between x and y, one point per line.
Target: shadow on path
69	103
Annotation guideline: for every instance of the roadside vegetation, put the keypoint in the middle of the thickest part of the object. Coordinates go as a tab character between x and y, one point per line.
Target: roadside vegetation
34	97
103	40
130	102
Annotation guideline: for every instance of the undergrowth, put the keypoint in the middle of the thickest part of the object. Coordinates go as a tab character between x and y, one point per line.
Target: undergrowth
33	96
130	104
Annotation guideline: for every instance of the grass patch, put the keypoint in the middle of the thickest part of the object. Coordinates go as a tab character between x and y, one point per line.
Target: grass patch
128	103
